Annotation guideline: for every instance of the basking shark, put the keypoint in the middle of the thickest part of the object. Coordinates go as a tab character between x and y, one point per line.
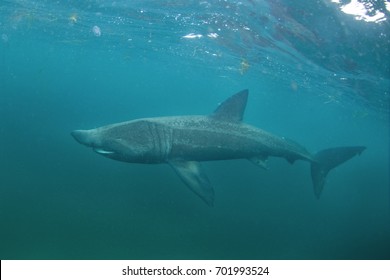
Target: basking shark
184	141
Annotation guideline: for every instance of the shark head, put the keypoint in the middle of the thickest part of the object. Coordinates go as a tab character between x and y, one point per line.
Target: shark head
129	142
84	137
91	138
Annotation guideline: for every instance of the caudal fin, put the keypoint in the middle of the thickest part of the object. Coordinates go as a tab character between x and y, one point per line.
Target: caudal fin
326	160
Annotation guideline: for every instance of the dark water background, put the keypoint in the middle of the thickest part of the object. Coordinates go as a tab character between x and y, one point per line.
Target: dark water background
315	75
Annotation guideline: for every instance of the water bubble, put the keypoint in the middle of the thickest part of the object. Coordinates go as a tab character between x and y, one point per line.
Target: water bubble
96	31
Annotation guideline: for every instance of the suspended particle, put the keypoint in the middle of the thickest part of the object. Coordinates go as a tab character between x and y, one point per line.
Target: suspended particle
96	31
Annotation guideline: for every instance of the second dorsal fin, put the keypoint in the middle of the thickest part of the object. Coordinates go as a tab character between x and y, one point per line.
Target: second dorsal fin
232	109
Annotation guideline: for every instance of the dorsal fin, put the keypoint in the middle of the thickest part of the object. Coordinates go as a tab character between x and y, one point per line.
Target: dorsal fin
232	109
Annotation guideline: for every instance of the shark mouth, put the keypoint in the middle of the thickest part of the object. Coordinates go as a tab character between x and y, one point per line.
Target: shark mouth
103	152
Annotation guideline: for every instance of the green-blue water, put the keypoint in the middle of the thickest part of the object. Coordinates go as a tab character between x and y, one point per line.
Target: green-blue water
315	74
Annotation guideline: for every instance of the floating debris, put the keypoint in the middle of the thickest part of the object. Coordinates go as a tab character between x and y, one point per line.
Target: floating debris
96	31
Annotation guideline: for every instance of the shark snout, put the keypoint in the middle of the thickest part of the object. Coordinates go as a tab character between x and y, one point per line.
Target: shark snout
82	136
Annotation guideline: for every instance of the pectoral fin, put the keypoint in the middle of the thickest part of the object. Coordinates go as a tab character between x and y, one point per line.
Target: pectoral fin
191	174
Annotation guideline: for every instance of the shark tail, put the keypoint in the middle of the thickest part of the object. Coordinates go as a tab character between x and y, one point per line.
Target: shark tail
326	160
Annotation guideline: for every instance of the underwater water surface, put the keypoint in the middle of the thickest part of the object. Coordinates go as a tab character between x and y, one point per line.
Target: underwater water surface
317	73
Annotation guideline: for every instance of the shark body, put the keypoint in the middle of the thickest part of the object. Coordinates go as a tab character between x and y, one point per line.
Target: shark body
184	141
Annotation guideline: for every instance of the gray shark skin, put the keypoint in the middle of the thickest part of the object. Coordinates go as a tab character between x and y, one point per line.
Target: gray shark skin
184	141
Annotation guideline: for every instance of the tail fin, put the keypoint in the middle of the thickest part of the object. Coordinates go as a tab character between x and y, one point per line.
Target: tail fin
326	160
